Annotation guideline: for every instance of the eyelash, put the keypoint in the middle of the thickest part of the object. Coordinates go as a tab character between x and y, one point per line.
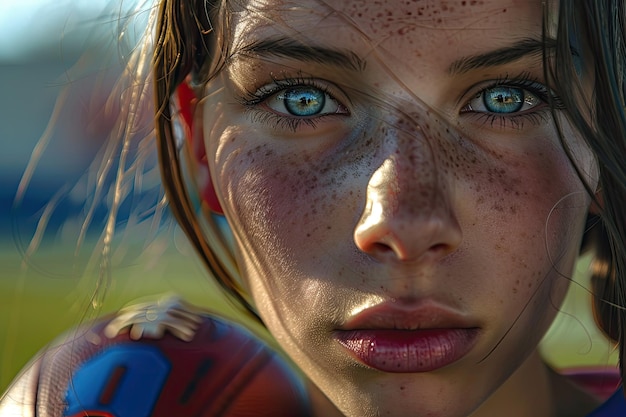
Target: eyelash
535	115
253	99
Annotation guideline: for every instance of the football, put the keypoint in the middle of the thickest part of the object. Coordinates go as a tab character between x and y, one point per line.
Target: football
150	362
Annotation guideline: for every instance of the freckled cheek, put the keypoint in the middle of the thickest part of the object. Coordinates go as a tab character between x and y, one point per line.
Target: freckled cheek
529	215
287	202
527	183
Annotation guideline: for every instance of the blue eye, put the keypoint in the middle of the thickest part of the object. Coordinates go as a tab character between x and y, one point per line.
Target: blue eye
303	101
503	100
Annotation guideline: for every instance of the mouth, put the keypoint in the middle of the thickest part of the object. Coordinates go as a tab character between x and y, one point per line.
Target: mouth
407	341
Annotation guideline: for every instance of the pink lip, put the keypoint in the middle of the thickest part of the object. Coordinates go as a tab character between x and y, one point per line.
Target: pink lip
416	340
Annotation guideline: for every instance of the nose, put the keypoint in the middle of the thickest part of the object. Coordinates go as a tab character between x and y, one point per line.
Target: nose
408	216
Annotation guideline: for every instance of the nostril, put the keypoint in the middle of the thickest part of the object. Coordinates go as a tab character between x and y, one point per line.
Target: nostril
381	248
440	248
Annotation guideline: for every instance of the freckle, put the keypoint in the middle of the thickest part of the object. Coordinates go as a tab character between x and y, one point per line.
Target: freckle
402	387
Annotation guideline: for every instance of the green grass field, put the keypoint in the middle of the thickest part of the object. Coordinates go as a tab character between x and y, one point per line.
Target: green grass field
37	302
41	300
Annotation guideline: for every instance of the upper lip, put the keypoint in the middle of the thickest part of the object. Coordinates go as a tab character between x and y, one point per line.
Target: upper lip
421	316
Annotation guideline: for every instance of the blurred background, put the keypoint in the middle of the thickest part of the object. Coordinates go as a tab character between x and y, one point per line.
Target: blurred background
71	51
59	60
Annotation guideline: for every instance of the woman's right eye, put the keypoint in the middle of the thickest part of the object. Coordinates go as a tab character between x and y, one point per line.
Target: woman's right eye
291	104
304	101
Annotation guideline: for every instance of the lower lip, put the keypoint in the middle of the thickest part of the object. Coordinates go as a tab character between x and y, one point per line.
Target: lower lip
403	351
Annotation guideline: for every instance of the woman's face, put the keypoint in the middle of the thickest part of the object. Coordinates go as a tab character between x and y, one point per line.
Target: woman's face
405	216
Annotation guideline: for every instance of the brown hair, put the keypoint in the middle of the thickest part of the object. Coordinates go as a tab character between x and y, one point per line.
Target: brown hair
595	29
189	48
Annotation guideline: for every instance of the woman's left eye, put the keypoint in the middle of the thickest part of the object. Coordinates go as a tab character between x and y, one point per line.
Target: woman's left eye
502	100
304	101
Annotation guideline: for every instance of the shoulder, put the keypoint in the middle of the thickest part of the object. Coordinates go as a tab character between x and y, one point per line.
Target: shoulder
604	383
614	406
145	362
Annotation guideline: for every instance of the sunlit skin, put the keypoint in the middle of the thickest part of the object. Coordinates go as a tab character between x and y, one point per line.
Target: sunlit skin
400	190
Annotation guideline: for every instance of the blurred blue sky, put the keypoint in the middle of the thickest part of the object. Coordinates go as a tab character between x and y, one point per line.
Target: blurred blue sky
32	28
40	42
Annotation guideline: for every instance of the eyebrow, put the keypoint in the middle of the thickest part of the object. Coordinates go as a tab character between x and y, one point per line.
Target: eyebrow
295	50
521	49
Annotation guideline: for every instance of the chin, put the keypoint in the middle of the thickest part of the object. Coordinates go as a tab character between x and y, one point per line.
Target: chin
400	395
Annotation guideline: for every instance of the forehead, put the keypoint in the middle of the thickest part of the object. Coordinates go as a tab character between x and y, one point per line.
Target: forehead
406	29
